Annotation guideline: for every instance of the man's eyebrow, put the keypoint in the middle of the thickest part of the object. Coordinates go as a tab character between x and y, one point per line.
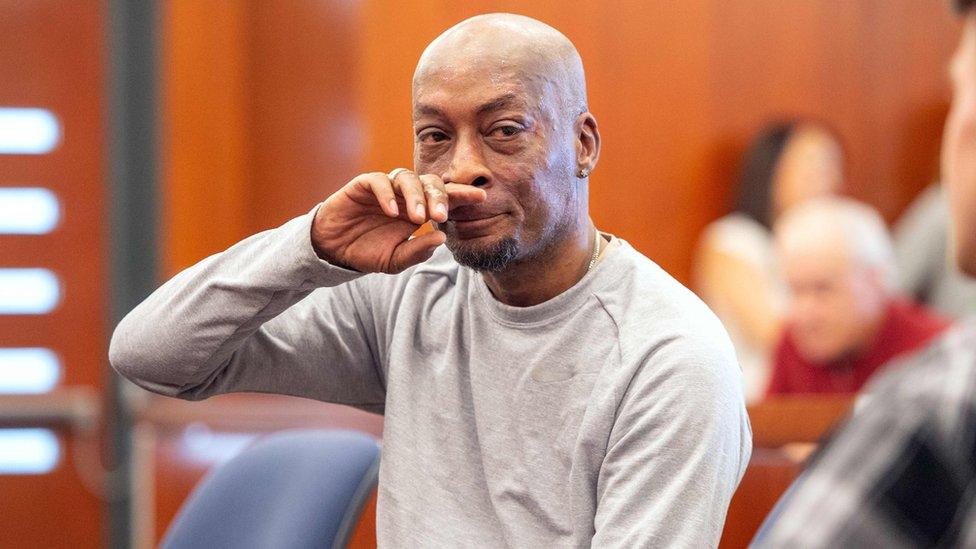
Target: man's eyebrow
495	104
498	103
426	110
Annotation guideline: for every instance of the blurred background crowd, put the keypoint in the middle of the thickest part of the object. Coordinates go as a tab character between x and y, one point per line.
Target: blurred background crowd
816	291
779	158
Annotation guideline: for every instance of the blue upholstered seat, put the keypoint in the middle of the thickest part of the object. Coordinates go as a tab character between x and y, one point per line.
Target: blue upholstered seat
294	489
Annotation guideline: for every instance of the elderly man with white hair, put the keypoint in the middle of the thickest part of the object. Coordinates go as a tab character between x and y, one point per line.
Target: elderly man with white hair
846	319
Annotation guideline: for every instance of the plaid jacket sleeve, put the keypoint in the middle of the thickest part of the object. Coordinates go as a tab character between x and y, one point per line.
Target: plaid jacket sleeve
902	471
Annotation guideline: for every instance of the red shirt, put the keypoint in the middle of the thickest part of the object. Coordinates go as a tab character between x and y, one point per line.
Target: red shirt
907	327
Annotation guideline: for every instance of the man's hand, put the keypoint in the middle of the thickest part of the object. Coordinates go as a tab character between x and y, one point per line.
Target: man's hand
366	225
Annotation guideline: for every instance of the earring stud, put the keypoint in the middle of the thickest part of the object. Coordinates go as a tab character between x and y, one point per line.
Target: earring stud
584	173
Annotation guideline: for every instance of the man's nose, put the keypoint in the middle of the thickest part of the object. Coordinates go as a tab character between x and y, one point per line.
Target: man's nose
468	164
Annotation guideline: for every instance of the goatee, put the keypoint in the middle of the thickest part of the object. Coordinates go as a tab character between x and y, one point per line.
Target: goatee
491	258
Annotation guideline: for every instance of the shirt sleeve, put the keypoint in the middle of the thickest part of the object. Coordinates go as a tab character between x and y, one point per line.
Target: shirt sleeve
677	451
266	315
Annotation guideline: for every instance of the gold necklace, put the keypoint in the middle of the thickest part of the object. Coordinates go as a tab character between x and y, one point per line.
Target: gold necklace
596	250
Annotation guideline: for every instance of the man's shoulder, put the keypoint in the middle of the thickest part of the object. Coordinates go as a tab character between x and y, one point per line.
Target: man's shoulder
674	350
651	308
639	290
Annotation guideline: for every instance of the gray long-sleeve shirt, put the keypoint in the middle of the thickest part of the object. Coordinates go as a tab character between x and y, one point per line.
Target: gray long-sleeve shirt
610	415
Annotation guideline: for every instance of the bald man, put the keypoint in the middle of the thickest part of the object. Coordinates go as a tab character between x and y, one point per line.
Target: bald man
543	383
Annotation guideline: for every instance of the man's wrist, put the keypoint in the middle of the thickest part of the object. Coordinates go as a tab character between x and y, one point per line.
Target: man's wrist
321	254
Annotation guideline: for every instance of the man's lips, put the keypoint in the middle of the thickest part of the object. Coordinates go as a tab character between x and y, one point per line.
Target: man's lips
471	218
473	224
466	214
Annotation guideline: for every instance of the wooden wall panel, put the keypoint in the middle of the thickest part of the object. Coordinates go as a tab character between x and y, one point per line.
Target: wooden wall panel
52	56
321	91
259	117
679	87
306	132
54	510
873	69
205	128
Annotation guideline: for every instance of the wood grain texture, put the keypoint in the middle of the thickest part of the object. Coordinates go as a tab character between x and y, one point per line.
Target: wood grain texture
260	117
304	95
53	57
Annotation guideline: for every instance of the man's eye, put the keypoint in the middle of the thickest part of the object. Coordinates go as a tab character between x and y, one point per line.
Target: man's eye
506	131
433	136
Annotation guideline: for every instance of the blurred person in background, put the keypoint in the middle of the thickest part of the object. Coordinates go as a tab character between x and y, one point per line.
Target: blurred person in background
902	471
845	319
921	237
736	272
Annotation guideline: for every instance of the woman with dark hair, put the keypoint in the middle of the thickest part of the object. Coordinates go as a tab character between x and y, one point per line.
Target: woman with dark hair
787	163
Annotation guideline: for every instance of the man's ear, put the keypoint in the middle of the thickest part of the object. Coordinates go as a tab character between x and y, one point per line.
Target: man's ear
587	143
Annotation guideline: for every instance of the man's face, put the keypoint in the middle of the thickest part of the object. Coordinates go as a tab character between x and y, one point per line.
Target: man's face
834	301
959	149
504	131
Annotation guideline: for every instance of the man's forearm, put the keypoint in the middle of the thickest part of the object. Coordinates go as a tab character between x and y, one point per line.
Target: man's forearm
187	330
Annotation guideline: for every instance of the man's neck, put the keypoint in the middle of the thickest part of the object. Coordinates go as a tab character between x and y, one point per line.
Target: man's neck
542	278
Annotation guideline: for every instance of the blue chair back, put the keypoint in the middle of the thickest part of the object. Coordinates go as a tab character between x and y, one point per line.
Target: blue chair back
294	489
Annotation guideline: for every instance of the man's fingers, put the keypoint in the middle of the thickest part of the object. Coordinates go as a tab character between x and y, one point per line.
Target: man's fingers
423	197
436	197
415	250
464	195
412	191
379	185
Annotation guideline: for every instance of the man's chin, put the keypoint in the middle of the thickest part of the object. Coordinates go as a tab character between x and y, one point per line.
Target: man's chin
485	254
